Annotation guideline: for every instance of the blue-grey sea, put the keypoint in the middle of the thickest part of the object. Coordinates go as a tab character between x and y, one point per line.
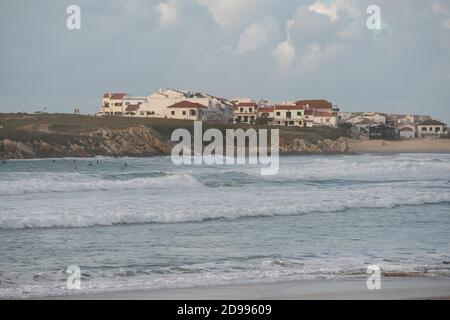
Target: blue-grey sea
146	223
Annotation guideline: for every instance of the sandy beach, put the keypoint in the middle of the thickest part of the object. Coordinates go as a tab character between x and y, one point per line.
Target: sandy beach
425	145
391	289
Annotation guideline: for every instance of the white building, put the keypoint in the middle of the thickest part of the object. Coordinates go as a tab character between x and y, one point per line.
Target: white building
319	118
289	115
407	132
267	113
245	112
156	105
116	104
374	118
158	102
431	128
186	110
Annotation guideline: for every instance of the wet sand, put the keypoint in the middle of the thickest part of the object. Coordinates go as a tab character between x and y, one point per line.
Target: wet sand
391	289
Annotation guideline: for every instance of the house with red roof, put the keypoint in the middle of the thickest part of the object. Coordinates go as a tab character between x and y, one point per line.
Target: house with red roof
187	110
289	115
267	113
319	118
116	104
245	112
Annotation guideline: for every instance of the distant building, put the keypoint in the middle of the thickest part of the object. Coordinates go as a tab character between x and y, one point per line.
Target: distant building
384	132
430	128
315	104
245	112
407	132
156	105
289	115
267	114
373	117
116	104
112	104
186	110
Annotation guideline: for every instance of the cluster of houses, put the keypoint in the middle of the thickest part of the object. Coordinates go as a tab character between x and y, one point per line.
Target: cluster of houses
175	104
394	126
184	105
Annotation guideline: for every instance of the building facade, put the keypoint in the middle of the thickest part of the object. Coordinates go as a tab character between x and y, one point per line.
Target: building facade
187	110
431	128
245	112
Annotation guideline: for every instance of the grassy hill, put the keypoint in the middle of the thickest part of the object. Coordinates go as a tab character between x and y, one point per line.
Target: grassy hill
66	129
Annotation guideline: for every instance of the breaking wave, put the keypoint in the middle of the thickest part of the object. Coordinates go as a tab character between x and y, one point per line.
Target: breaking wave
68	182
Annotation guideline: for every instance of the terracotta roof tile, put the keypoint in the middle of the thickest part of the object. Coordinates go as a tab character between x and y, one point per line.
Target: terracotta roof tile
187	104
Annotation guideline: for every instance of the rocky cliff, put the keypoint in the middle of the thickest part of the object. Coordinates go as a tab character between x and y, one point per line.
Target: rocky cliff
139	141
134	142
326	146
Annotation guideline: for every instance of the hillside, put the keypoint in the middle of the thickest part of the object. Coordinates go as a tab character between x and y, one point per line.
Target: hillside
66	135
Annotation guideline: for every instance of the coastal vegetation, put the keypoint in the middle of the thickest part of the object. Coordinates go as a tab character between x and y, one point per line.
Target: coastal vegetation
63	135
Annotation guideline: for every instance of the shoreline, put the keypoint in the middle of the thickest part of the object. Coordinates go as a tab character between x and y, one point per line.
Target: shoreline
395	288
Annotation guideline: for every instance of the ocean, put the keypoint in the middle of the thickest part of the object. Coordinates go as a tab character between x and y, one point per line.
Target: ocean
144	223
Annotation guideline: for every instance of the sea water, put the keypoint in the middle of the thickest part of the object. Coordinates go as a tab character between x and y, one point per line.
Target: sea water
132	224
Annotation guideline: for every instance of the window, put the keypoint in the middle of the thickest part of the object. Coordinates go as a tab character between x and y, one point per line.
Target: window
424	129
184	113
288	114
172	113
437	129
299	113
192	112
250	109
291	123
278	113
321	119
241	109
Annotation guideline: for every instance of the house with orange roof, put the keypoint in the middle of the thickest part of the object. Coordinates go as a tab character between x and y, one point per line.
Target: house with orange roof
116	104
267	113
186	110
245	112
289	115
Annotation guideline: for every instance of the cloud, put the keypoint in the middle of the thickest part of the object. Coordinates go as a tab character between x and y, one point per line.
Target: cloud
258	34
167	13
443	10
334	9
316	55
446	24
440	8
284	54
230	13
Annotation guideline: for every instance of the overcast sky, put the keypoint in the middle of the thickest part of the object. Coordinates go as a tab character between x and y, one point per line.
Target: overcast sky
278	50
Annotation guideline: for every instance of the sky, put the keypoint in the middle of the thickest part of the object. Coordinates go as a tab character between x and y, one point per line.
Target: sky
271	49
